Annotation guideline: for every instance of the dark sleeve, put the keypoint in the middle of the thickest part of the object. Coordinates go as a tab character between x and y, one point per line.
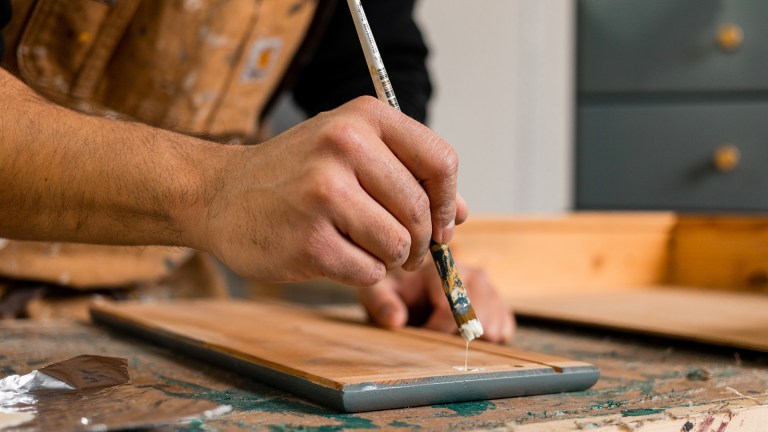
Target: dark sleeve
337	72
5	17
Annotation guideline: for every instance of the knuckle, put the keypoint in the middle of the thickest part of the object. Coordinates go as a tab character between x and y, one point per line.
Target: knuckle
342	135
365	103
420	210
446	212
449	160
316	246
327	189
398	250
372	275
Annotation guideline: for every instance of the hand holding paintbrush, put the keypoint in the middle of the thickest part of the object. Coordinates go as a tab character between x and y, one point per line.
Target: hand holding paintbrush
469	326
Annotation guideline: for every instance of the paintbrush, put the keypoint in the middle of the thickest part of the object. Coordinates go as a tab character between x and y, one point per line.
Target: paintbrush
469	326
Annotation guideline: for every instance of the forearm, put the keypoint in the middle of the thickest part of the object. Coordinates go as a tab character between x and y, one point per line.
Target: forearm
72	177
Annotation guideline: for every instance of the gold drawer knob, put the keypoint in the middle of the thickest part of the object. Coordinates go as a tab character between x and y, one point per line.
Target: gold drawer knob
730	37
726	158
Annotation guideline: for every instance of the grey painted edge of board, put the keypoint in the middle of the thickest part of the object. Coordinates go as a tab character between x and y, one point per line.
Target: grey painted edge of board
374	397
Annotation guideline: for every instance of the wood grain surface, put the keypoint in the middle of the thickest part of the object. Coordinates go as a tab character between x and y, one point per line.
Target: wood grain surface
695	277
732	319
321	357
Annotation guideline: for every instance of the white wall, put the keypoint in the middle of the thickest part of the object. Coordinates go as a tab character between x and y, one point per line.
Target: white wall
503	71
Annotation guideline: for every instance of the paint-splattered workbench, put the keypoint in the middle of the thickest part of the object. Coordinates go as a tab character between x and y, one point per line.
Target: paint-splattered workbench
685	387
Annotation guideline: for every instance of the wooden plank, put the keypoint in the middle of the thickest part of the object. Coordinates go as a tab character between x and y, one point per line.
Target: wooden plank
346	365
85	266
584	252
723	318
719	252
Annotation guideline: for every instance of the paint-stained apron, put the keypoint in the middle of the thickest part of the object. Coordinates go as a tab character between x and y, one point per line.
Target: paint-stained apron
201	67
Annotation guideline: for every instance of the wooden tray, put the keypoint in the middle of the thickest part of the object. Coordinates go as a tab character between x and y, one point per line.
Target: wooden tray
343	364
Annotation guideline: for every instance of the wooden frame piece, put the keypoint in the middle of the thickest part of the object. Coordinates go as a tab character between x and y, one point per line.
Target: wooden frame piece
346	365
694	277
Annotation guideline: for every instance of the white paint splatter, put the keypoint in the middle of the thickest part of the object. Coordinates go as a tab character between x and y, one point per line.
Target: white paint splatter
39	51
60	83
216	40
217	412
54	249
466	369
202	99
193	5
189	80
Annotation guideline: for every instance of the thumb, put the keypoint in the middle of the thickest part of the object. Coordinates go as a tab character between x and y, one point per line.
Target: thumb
384	305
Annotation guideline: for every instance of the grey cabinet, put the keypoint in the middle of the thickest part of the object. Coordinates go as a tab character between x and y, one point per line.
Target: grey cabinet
672	105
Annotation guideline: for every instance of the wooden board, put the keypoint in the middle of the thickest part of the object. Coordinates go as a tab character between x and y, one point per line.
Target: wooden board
582	252
596	252
724	253
692	277
733	319
346	365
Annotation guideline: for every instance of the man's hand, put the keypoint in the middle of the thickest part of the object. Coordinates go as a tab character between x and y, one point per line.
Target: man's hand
417	298
346	195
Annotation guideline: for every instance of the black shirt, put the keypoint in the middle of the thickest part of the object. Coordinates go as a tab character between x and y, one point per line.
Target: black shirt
337	72
5	17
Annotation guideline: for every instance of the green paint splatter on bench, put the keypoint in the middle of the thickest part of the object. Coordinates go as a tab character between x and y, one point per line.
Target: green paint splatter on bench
248	401
609	404
325	428
195	426
404	425
468	409
640	412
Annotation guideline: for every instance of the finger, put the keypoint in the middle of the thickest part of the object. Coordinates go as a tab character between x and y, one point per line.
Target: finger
462	209
430	159
335	257
490	309
384	305
481	296
441	318
413	290
370	226
510	327
390	183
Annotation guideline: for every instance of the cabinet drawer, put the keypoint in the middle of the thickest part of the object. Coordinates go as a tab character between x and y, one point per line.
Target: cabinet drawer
672	45
661	157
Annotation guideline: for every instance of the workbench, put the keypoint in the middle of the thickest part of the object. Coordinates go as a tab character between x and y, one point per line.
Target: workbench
571	268
657	380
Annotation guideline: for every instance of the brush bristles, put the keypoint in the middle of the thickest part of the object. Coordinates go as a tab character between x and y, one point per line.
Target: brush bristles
471	330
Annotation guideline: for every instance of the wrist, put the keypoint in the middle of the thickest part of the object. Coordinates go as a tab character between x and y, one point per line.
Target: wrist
205	178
